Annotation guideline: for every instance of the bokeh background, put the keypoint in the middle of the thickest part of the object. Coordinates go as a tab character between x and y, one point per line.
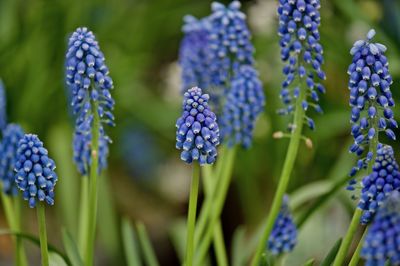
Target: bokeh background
145	180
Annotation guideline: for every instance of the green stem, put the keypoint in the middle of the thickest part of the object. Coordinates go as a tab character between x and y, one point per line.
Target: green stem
219	244
341	255
42	233
148	252
218	200
285	176
191	221
83	212
93	189
355	221
19	247
356	256
208	202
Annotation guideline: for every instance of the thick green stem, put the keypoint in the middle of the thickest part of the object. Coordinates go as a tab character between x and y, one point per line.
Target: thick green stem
355	221
219	244
356	256
93	189
343	250
218	200
42	233
21	259
288	165
83	212
191	221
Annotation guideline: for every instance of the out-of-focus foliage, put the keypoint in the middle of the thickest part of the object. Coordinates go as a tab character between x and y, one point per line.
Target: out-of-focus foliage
140	39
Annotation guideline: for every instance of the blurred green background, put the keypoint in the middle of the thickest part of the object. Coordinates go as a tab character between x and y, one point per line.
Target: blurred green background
146	179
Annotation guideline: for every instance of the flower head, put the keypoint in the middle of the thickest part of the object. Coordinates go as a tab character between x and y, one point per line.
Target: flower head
35	175
382	242
197	133
193	54
245	101
3	112
375	188
301	51
370	96
284	233
8	157
89	82
229	42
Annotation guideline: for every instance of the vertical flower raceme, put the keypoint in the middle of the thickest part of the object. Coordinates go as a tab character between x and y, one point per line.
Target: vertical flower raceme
229	44
301	51
197	132
35	175
245	101
88	79
3	113
284	233
193	54
375	187
370	97
382	243
8	157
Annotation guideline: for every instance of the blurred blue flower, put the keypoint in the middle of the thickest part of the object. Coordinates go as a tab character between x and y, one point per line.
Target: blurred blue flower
370	96
197	133
284	233
35	175
375	187
301	51
89	82
193	54
82	150
8	157
245	101
229	44
3	111
382	242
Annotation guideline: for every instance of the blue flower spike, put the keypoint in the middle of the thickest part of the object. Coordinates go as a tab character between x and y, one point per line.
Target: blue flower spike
197	133
382	242
12	134
376	187
370	96
35	175
245	102
302	53
88	79
193	54
3	112
283	238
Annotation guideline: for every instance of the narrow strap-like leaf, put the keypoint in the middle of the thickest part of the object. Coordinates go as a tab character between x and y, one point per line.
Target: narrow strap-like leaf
71	248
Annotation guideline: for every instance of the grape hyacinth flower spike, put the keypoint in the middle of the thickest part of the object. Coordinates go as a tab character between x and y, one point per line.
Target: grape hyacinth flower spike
303	55
12	134
197	132
197	135
87	77
36	178
245	102
375	187
284	234
370	98
382	243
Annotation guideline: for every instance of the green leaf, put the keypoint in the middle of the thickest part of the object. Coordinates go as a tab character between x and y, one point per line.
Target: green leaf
177	234
309	262
56	260
131	247
146	247
35	240
238	250
328	260
71	248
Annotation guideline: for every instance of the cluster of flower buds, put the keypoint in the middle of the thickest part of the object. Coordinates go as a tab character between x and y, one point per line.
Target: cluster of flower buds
197	133
301	51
